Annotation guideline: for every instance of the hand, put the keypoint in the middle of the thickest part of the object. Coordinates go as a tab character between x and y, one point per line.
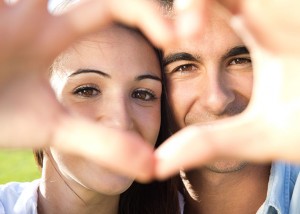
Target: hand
30	114
33	37
274	24
266	130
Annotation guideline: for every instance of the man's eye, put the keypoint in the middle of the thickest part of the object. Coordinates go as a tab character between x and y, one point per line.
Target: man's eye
185	68
239	61
86	91
144	95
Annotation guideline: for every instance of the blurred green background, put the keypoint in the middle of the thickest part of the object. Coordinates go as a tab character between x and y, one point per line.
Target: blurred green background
17	165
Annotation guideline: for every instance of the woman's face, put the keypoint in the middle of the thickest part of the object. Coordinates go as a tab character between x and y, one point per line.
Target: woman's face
113	78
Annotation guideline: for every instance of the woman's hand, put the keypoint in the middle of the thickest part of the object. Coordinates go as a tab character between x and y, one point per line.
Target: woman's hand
31	117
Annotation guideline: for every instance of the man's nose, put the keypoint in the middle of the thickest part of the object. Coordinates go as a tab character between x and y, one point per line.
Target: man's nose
217	94
116	113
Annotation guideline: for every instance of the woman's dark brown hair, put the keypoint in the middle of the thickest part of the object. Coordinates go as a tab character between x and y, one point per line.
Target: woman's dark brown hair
156	197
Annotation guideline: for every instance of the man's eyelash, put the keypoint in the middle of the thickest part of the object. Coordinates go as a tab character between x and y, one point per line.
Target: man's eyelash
241	60
182	66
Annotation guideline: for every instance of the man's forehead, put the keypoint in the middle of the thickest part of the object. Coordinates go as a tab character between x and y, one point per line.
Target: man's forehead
199	50
215	41
188	48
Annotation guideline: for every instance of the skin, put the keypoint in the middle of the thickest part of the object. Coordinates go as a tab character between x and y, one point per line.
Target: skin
91	79
261	17
49	35
217	75
206	83
271	30
24	63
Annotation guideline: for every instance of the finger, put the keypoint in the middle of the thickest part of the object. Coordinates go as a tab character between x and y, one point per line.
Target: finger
147	16
25	114
281	20
69	22
31	3
2	4
11	2
26	14
197	145
234	6
93	15
118	151
190	17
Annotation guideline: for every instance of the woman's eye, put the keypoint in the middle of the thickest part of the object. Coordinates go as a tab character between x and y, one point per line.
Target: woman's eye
239	61
144	95
86	91
185	68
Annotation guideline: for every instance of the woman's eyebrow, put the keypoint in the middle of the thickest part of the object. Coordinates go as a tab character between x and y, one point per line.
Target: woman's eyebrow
148	76
173	57
82	71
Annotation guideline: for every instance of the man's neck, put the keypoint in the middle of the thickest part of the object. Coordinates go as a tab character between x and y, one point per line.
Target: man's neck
243	191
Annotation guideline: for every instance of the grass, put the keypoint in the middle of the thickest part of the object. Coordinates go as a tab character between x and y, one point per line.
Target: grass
17	165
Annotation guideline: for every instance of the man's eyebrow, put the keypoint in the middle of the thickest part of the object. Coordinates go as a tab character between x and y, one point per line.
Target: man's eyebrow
173	57
148	76
236	51
82	71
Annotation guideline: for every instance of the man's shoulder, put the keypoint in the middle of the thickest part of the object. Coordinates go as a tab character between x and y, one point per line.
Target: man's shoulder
282	188
289	169
295	190
295	171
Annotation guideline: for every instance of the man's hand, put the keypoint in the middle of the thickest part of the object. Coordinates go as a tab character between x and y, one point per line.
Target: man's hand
274	24
268	128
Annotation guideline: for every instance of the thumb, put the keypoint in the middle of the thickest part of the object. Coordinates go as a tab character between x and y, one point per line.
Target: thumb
119	151
239	137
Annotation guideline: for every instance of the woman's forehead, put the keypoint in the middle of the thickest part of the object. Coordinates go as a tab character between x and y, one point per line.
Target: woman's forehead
112	33
114	45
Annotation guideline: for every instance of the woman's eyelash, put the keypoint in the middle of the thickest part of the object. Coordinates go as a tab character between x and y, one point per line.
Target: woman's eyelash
86	91
144	94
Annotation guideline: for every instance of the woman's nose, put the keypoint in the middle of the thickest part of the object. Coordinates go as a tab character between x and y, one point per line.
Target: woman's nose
116	113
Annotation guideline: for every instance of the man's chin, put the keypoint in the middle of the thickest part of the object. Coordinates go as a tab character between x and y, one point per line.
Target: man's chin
226	166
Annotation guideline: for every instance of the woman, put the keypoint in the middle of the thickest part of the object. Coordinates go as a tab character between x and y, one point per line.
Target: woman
114	78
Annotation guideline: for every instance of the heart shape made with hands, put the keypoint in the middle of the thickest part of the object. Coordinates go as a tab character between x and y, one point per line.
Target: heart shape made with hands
32	117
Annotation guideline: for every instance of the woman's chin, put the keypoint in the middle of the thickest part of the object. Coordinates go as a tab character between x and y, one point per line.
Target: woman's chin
113	184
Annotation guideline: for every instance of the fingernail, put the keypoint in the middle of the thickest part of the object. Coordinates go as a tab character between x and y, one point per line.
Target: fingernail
181	5
165	164
188	25
236	22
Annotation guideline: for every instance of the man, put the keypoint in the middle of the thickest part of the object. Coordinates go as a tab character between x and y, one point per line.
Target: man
268	28
48	35
209	81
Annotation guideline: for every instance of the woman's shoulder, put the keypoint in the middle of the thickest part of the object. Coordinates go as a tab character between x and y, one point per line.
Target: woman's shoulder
181	202
18	197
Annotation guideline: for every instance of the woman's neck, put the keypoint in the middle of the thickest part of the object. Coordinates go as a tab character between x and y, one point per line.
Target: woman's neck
56	195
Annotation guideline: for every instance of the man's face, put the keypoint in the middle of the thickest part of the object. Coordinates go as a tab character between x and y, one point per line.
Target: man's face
209	80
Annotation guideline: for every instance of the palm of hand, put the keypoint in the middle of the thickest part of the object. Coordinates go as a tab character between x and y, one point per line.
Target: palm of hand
30	114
